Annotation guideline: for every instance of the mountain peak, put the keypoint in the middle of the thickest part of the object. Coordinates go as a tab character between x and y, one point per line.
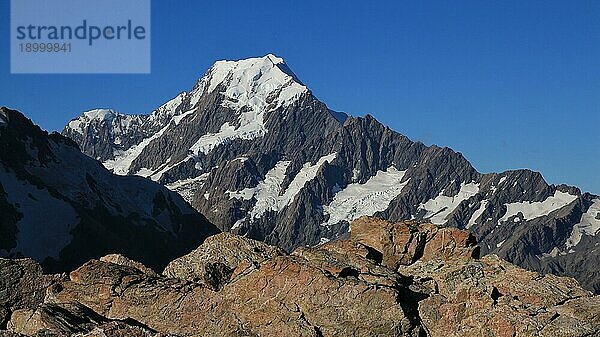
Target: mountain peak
100	114
257	76
3	117
274	59
91	115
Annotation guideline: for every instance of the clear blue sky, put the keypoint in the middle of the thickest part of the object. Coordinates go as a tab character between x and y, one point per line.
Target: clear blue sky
510	84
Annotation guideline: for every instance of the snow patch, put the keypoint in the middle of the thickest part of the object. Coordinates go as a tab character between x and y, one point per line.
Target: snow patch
238	224
307	173
268	192
442	206
324	241
532	210
553	253
588	225
122	162
373	196
79	123
228	132
355	174
241	159
186	187
168	110
477	214
3	118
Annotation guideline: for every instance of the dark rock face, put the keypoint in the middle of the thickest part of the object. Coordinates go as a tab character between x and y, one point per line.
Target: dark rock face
251	148
22	286
63	208
386	279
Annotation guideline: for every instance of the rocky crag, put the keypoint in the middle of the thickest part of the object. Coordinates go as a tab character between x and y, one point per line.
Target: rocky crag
385	279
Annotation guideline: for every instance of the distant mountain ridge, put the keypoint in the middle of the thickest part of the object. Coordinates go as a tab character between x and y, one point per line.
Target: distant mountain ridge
62	208
251	148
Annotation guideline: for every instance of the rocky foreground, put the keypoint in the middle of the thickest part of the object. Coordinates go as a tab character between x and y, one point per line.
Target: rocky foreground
386	279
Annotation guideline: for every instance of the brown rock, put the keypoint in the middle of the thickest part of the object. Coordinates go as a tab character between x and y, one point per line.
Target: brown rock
73	320
448	243
60	320
284	296
387	279
121	329
22	286
491	297
125	261
404	243
216	259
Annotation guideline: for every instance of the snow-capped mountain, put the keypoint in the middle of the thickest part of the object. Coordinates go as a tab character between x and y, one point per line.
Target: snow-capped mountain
63	208
251	148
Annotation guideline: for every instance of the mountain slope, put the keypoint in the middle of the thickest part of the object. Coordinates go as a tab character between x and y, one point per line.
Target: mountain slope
63	208
251	148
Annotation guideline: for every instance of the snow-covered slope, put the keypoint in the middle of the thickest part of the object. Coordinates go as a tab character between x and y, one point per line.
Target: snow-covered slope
256	152
62	207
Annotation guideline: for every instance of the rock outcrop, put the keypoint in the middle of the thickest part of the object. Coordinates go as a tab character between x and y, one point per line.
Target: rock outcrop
22	286
214	262
385	279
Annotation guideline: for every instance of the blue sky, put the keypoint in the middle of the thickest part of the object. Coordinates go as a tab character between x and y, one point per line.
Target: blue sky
510	84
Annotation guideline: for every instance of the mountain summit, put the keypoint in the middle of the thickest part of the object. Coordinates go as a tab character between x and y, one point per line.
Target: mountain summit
251	148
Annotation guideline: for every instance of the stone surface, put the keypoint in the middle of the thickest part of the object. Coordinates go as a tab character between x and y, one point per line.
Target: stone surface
125	261
214	262
22	286
403	245
386	279
492	297
73	320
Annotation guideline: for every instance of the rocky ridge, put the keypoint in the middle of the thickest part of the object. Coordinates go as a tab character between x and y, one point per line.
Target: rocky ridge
386	279
63	208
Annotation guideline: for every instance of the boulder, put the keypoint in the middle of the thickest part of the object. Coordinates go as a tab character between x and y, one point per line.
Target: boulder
22	286
214	262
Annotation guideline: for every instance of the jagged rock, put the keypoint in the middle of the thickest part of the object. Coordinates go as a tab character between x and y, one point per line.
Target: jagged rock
404	244
371	284
491	297
121	329
125	261
286	295
214	262
73	320
22	286
60	320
